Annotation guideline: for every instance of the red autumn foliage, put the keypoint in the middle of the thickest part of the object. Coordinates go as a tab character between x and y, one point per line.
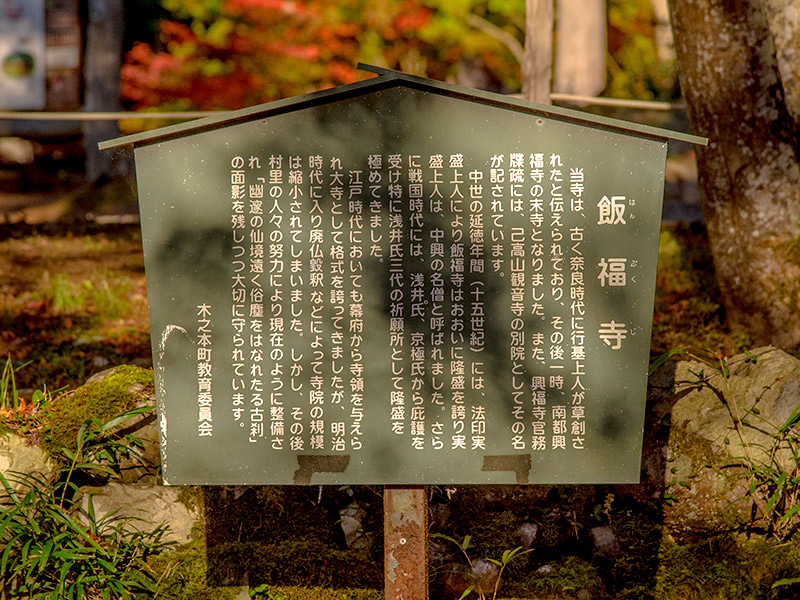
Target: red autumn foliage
254	51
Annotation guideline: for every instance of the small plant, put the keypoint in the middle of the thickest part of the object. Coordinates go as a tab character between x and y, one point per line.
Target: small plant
507	557
53	549
15	412
97	452
64	296
776	478
9	399
262	591
604	509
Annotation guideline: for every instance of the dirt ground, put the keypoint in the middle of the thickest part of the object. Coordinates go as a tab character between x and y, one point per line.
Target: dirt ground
72	303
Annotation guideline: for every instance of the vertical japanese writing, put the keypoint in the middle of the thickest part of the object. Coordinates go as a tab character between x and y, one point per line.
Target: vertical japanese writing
446	230
557	320
417	316
458	413
356	307
577	311
276	290
238	288
397	323
294	410
497	181
205	425
316	264
437	320
611	211
260	255
536	217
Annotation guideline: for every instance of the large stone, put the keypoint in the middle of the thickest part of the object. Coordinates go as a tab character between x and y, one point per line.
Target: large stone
723	427
143	466
142	507
20	460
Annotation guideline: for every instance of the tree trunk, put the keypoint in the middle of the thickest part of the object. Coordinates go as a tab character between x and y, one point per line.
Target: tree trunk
581	47
749	172
783	17
665	47
537	59
103	62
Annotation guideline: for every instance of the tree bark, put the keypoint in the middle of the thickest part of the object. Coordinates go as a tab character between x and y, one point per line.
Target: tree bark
537	60
783	17
749	172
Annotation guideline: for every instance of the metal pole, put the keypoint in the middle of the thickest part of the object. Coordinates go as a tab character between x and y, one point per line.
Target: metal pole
405	535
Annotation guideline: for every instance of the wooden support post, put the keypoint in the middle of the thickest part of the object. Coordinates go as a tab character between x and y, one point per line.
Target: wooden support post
405	538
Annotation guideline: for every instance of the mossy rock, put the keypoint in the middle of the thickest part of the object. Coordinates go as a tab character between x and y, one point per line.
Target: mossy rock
102	397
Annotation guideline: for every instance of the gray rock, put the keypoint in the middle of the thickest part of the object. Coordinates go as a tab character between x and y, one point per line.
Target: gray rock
709	457
604	540
142	507
351	520
527	534
455	577
485	575
17	456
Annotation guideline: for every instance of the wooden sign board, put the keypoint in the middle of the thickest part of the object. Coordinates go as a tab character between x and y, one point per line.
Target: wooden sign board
401	282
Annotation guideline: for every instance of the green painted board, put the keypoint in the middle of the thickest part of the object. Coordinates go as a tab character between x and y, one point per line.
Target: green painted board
397	285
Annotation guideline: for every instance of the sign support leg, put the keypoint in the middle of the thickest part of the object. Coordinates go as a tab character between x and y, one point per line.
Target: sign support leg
405	543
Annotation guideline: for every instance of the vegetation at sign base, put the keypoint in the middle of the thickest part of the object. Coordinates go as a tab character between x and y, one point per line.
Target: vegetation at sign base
182	573
53	548
290	535
276	534
726	567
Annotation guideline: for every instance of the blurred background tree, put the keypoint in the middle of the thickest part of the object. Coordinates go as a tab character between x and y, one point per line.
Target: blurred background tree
641	59
213	54
227	54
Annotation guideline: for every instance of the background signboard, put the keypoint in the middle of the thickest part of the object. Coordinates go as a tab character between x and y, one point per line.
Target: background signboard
401	283
63	53
22	54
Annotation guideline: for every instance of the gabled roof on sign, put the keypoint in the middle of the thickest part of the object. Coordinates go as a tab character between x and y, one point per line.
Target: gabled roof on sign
386	79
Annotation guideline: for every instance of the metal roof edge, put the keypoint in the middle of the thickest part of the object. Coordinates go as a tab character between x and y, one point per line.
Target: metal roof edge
537	108
388	77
